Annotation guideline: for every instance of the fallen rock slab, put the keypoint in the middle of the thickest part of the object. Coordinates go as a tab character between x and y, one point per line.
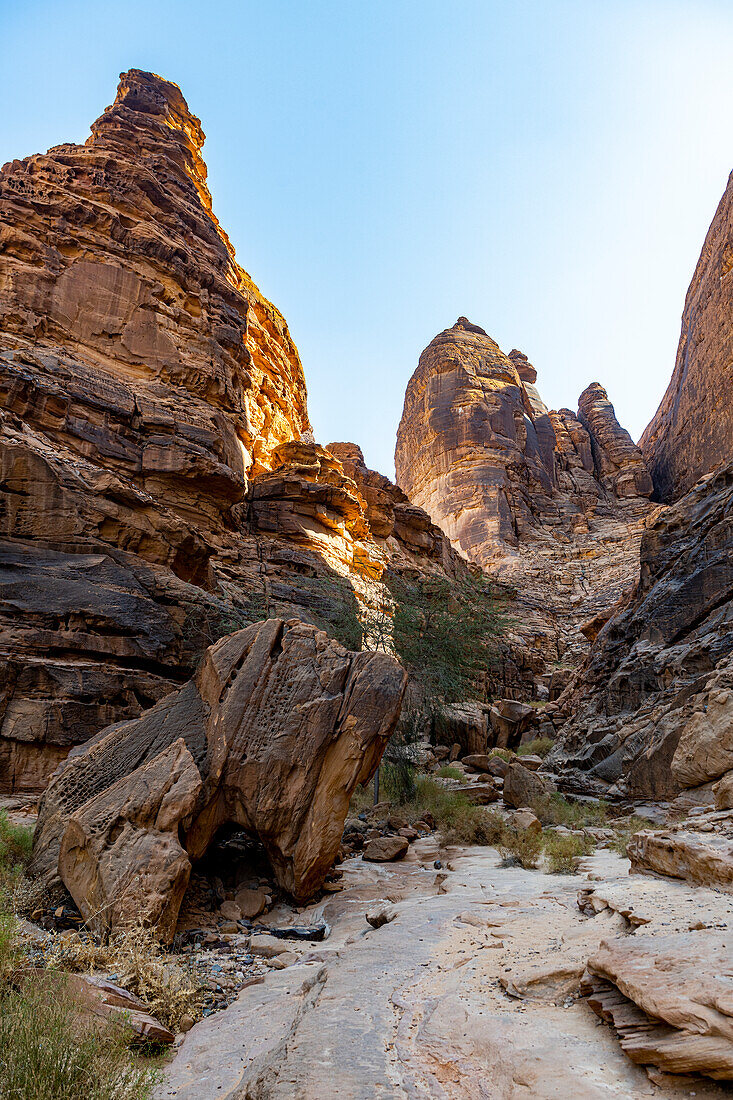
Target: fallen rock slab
385	849
670	999
705	859
273	734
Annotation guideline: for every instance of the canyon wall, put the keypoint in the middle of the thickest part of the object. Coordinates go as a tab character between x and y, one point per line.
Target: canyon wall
159	482
691	432
551	503
651	711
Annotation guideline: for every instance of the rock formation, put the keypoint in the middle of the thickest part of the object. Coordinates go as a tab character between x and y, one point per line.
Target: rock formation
274	733
669	999
651	711
159	486
691	432
549	502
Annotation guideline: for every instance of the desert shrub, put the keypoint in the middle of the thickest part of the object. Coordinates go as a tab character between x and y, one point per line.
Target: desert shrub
447	771
9	950
169	989
457	819
539	747
555	809
563	851
16	842
503	754
398	781
17	893
520	847
49	1050
624	830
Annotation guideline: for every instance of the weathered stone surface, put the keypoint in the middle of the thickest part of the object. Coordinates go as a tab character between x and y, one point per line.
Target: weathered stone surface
705	859
523	787
509	720
465	725
250	902
546	502
478	762
273	734
650	711
723	791
690	434
669	998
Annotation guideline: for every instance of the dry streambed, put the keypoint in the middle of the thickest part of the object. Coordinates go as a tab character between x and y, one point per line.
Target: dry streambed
470	988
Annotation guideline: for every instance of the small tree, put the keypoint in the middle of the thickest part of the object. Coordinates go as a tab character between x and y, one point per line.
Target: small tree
445	634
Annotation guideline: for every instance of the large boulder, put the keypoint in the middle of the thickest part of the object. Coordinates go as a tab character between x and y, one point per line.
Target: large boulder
509	720
273	734
705	859
465	724
523	787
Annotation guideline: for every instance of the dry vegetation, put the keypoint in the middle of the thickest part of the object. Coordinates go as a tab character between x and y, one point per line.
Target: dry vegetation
49	1050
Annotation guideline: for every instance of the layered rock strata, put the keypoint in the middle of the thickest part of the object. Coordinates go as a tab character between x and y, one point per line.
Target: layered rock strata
669	999
551	502
652	710
159	485
274	733
690	434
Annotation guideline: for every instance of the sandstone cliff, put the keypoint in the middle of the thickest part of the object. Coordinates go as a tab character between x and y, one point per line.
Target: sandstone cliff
691	432
550	502
159	485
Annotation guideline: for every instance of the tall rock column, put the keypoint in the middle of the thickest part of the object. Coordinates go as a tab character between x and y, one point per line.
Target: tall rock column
691	432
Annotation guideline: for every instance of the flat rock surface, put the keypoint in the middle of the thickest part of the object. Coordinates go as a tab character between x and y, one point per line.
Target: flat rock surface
471	991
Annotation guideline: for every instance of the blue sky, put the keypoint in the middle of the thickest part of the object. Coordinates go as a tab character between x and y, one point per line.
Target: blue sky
548	169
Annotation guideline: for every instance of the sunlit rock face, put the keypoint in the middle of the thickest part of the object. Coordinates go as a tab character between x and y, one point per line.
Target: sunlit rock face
111	249
550	502
691	433
159	481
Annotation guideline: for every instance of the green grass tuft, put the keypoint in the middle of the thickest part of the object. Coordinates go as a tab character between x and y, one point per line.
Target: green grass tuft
539	747
447	771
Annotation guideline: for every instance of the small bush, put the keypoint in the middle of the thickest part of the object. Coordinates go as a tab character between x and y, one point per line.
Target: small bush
539	747
562	852
520	847
16	842
555	809
624	831
503	754
456	817
447	771
51	1050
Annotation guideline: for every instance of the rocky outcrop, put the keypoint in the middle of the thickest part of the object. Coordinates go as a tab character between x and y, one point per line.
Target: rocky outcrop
159	485
704	859
650	711
548	502
669	999
690	435
274	733
617	460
